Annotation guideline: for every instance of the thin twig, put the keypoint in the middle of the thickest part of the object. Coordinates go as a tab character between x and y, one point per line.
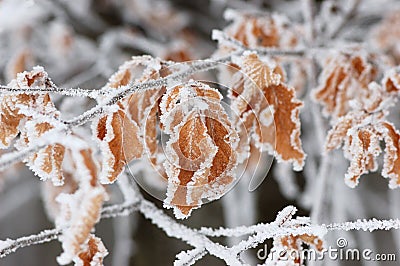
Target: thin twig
123	91
38	90
222	37
9	246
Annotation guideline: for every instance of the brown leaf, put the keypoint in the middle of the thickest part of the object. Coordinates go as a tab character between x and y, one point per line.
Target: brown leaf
119	140
361	133
93	254
391	165
261	31
142	106
201	150
270	110
344	77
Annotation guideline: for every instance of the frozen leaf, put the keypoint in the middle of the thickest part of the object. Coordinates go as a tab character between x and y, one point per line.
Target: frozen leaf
142	107
80	211
287	249
254	30
119	141
391	81
360	132
201	150
344	77
93	254
391	165
269	109
10	107
83	208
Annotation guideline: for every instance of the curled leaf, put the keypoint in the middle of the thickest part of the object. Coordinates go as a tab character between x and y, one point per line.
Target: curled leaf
201	150
269	109
119	141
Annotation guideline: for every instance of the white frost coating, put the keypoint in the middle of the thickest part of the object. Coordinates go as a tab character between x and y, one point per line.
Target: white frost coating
186	258
266	116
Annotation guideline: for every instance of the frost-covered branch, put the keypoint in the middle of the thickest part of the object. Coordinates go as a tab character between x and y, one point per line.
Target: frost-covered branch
76	92
9	246
224	38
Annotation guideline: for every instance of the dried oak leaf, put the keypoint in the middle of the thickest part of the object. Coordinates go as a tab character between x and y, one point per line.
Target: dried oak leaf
268	108
200	153
93	254
344	77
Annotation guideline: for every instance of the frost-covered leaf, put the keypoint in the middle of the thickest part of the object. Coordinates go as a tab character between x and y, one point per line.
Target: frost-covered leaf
80	211
201	150
10	107
93	254
391	164
360	133
268	108
119	141
391	80
344	77
32	116
254	30
142	106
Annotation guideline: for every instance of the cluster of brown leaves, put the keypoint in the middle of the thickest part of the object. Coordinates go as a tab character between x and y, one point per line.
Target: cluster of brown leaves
362	129
129	131
33	116
201	149
266	108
